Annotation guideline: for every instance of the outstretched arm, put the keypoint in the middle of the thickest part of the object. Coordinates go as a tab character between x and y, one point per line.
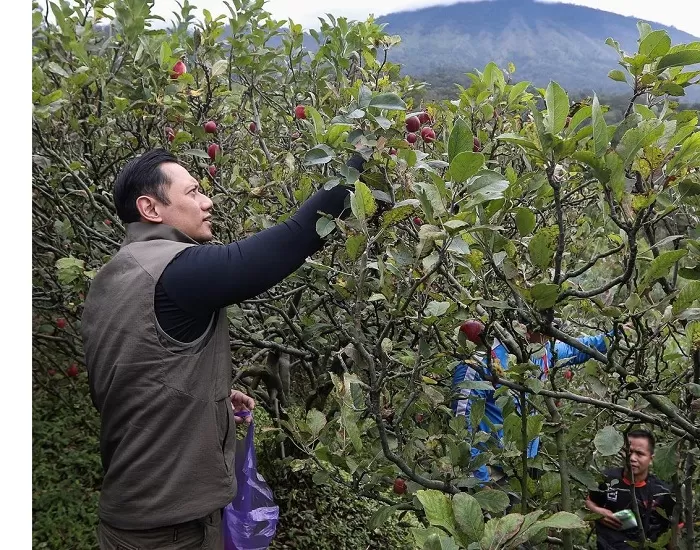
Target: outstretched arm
576	357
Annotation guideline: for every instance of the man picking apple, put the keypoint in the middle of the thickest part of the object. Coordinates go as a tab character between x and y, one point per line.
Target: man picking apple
158	354
473	330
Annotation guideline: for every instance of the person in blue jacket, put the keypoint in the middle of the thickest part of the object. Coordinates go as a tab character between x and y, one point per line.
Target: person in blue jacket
499	358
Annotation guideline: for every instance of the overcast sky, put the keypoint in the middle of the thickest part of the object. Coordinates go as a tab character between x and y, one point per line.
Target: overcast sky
682	14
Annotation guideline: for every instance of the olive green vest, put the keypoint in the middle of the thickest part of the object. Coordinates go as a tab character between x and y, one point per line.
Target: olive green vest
167	427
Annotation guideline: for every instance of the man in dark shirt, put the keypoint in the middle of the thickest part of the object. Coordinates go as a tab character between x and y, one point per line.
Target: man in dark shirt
157	348
615	494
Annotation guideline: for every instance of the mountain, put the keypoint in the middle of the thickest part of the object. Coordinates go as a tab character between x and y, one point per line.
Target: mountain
544	41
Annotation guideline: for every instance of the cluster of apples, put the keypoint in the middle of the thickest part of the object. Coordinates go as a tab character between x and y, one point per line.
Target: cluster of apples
414	123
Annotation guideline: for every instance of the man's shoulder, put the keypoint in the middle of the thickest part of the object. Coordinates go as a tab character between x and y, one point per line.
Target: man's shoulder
658	485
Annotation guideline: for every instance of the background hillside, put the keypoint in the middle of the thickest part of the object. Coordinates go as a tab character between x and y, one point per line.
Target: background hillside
561	42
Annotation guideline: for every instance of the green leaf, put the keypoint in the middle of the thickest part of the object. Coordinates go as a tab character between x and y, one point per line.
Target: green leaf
362	201
389	101
355	245
317	120
600	129
665	461
321	154
468	516
557	108
492	500
437	309
637	138
397	214
608	441
688	294
655	44
465	165
324	226
517	139
381	515
487	185
461	140
688	155
438	509
69	269
525	221
219	68
316	420
617	75
679	59
542	246
545	295
564	520
659	267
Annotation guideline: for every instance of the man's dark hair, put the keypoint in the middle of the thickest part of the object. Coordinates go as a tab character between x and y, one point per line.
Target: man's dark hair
141	176
643	434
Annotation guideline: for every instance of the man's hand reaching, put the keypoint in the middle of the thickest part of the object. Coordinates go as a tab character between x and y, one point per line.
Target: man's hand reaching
240	403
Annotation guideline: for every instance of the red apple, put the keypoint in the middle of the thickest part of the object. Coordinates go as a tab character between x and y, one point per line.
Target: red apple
392	151
424	118
411	138
568	374
412	123
295	136
107	221
477	145
51	372
212	170
210	127
419	417
169	133
212	150
558	402
300	111
399	486
61	323
472	329
72	371
417	221
178	69
252	128
428	134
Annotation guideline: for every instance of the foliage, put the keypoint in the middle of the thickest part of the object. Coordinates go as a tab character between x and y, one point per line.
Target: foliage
530	208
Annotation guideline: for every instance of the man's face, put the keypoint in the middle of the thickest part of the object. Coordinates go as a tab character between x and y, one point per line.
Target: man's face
640	457
189	209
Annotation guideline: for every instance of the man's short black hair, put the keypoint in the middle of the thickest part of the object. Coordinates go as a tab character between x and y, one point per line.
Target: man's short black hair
643	434
141	176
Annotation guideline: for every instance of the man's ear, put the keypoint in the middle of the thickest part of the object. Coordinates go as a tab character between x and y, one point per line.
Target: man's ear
149	209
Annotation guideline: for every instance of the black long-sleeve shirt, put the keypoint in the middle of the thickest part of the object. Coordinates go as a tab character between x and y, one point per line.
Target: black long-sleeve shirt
203	279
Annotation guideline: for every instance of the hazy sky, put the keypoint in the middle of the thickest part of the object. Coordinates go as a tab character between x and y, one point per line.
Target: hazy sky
682	14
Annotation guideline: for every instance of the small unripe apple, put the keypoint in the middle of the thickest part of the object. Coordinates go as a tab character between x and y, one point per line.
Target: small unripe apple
418	221
428	134
477	145
424	118
212	150
212	170
412	123
300	111
72	371
61	323
252	128
472	329
568	374
399	486
411	138
178	69
210	127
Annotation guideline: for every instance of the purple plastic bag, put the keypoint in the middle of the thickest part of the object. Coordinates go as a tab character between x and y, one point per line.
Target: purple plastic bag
250	520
